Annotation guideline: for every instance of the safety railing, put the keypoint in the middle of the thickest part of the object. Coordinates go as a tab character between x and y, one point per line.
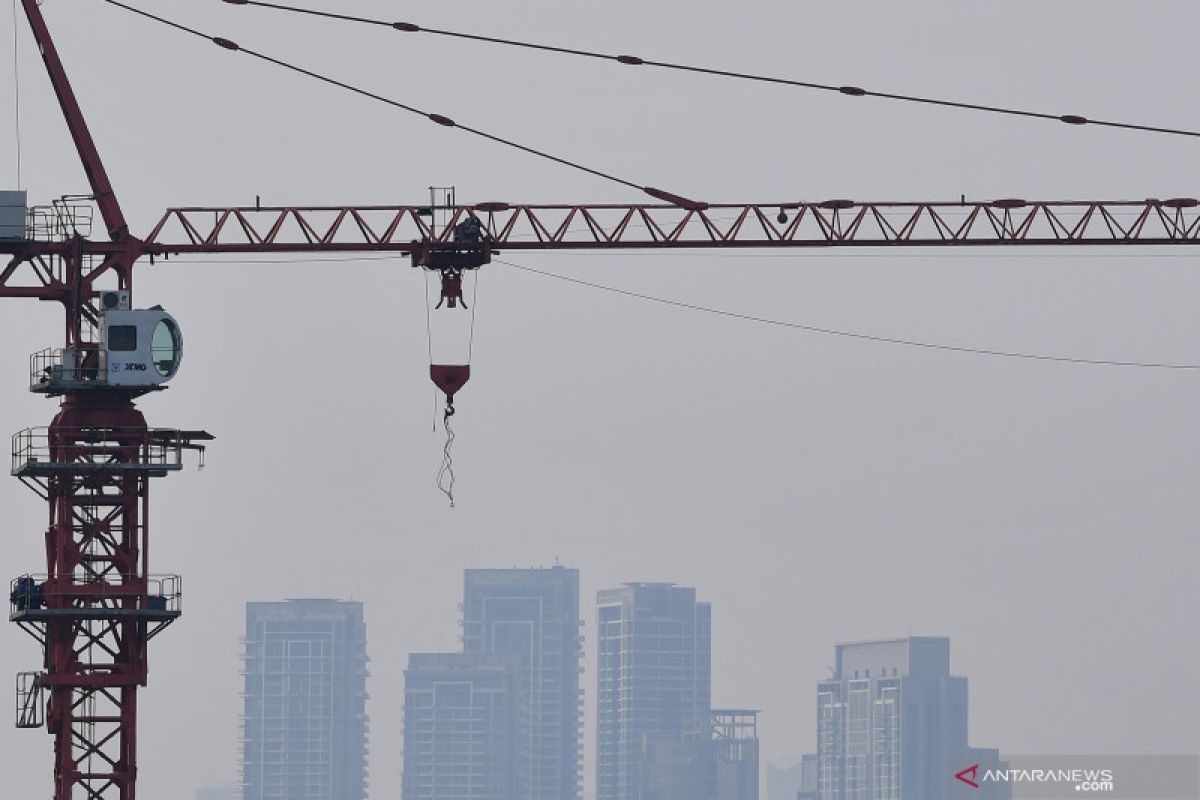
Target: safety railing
58	369
62	220
152	450
162	595
31	708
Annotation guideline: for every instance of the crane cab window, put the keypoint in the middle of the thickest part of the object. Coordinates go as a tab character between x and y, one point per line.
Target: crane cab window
122	338
165	348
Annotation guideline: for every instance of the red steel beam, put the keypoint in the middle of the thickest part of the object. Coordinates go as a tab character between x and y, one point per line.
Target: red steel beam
830	223
35	268
89	156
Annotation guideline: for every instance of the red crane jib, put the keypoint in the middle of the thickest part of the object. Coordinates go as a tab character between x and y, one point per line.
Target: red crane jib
827	223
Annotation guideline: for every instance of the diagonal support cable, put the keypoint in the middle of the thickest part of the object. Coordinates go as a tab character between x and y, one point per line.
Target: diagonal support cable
636	61
228	44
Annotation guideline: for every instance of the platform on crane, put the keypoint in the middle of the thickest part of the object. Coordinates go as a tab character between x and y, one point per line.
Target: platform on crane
66	217
37	598
55	371
154	451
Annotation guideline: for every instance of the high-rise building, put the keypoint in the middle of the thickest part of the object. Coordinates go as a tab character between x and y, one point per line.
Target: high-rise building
654	691
891	722
462	724
532	615
304	725
735	754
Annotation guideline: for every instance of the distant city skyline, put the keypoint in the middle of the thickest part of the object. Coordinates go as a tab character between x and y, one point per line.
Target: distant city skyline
892	718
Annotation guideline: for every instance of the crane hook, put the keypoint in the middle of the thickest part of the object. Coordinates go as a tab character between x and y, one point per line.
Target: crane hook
451	289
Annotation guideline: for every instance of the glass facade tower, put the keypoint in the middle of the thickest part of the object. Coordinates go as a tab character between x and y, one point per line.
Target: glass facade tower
462	723
891	722
532	616
654	691
304	723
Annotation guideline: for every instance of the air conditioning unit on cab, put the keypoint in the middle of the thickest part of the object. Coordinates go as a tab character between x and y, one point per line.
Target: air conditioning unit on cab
114	300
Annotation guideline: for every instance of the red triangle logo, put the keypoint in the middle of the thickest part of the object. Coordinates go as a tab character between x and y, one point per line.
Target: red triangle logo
973	773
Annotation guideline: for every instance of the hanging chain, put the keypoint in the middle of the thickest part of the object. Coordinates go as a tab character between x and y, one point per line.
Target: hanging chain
445	477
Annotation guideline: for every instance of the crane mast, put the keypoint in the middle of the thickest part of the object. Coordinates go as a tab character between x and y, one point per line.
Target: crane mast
97	605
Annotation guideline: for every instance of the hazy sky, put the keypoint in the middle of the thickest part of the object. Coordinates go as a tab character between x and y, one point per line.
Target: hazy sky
814	490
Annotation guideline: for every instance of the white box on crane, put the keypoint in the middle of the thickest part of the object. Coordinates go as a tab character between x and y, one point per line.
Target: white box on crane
13	211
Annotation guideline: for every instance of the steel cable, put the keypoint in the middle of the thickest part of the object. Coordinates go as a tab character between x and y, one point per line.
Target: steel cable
851	334
16	93
440	119
631	60
756	319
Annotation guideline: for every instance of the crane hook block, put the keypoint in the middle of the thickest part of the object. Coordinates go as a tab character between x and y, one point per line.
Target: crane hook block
451	289
450	377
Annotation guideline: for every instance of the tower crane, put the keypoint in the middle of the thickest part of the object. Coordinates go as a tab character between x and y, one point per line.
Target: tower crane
97	605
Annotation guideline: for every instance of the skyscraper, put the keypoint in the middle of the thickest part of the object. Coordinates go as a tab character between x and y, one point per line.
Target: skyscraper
304	725
891	722
532	615
654	695
462	724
